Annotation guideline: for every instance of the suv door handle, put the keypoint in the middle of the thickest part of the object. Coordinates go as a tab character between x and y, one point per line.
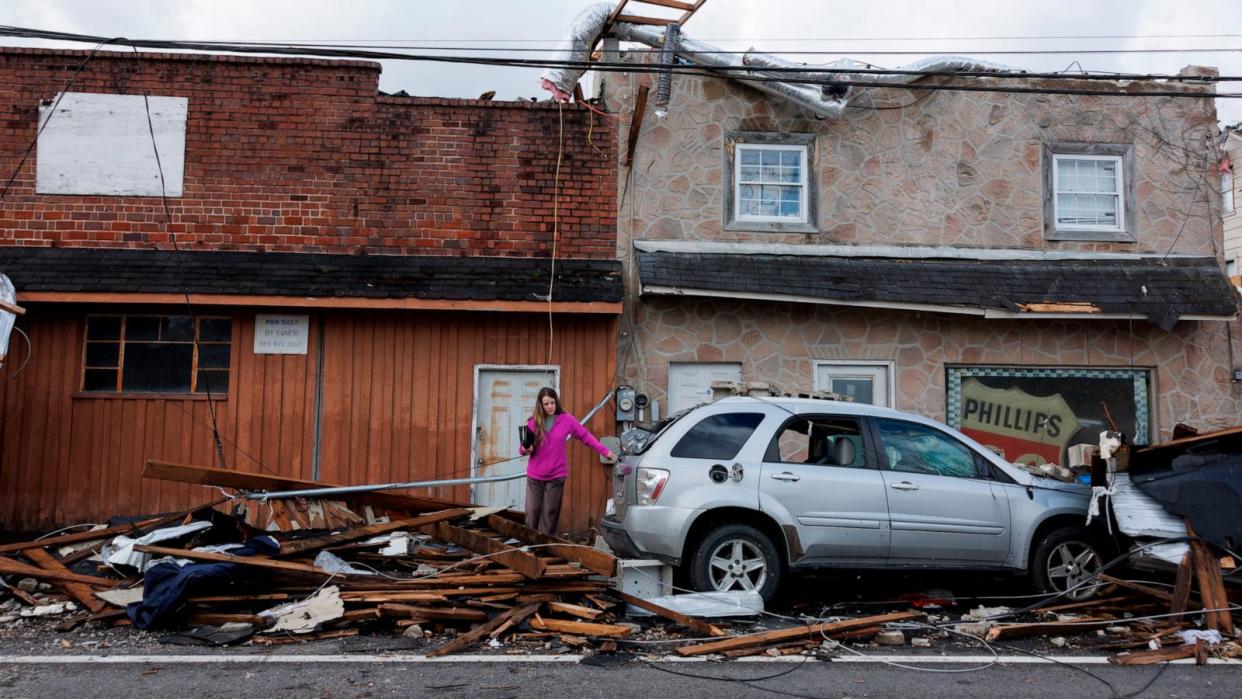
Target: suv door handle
903	485
786	476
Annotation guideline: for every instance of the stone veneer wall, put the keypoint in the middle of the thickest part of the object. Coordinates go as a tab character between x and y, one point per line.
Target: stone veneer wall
779	343
957	169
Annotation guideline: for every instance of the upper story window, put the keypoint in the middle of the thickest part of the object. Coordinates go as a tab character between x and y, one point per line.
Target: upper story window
156	354
771	182
1089	192
1226	192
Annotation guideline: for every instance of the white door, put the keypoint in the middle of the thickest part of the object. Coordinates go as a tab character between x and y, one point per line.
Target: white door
865	383
504	399
690	383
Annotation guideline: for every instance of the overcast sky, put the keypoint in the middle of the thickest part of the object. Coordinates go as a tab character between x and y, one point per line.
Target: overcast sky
844	28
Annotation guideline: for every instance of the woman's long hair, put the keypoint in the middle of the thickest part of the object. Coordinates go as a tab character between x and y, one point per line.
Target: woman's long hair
538	416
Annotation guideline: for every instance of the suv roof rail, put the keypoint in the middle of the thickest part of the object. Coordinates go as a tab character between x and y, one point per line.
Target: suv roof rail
763	389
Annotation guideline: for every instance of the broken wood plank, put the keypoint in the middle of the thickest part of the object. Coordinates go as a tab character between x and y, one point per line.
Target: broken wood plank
511	618
521	562
589	557
74	622
290	548
579	628
218	619
240	599
247	480
448	613
811	632
378	597
1089	604
1151	657
676	617
78	591
128	528
303	638
1216	611
1137	587
1181	588
252	561
782	649
9	566
1006	632
636	123
575	610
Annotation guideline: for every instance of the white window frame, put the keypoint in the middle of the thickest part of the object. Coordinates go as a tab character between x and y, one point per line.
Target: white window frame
855	368
1120	193
1226	193
802	183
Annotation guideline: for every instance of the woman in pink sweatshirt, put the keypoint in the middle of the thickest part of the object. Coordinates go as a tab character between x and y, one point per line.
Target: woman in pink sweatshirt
550	426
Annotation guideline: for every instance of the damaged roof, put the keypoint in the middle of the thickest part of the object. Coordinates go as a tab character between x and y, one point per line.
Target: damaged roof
315	275
1160	290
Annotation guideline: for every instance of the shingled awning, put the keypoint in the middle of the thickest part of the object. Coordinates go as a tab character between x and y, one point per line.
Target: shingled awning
985	282
41	273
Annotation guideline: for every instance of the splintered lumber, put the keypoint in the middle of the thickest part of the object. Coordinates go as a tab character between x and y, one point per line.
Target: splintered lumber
814	631
109	532
1006	632
448	613
78	591
303	638
575	610
675	617
1181	588
246	480
1216	611
1137	587
579	628
510	618
289	548
589	557
10	566
240	599
377	597
1089	604
1151	657
522	562
253	561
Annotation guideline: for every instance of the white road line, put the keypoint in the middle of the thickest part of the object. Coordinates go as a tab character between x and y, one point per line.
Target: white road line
567	659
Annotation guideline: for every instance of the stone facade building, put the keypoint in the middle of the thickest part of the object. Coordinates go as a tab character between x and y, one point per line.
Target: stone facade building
1001	261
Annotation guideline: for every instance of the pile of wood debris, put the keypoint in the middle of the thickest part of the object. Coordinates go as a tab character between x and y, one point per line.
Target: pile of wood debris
457	577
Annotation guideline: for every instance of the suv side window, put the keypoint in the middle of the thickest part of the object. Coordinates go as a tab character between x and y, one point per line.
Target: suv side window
913	448
820	439
718	436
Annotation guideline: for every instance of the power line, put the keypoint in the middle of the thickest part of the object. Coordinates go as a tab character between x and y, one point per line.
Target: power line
553	42
746	72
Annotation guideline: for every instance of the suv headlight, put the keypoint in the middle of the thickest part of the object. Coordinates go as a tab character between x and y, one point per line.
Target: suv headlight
650	482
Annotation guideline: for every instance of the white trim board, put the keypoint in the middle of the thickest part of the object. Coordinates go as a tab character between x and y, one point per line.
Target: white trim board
917	252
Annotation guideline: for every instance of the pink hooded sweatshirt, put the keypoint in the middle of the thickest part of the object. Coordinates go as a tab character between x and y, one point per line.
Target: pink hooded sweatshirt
547	462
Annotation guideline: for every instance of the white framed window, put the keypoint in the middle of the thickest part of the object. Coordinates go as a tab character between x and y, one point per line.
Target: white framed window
690	383
1226	192
1089	193
770	183
865	382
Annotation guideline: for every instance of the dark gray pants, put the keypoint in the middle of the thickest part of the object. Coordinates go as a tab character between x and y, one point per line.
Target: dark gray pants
543	504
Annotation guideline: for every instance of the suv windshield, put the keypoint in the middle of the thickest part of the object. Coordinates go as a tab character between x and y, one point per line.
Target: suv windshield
637	440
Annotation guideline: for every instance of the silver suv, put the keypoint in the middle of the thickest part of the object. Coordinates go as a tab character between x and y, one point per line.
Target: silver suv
739	491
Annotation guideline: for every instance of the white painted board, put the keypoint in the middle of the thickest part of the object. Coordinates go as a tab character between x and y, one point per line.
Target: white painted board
101	144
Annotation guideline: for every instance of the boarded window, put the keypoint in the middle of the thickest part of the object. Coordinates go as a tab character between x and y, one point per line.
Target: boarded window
156	354
102	144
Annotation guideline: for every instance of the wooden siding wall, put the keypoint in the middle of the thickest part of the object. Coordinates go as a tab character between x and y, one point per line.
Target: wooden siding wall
397	405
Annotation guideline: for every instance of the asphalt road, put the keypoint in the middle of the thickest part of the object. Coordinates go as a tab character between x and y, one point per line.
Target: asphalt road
604	677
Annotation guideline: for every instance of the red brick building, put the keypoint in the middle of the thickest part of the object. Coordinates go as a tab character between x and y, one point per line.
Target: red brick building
355	284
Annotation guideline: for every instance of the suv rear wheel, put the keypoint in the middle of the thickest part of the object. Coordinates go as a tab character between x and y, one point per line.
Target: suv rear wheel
736	557
1066	559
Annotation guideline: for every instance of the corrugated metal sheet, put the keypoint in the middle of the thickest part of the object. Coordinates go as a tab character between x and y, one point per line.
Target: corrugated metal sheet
397	405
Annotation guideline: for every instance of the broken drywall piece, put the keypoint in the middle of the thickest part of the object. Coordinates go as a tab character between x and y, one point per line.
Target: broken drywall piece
121	598
707	604
121	550
305	616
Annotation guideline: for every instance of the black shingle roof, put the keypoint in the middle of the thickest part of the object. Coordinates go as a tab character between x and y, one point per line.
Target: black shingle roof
302	274
1174	287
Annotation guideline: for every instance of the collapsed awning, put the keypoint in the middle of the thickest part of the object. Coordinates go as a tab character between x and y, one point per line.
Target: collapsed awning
993	283
311	280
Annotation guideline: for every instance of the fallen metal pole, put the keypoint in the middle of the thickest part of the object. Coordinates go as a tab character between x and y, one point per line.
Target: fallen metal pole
345	489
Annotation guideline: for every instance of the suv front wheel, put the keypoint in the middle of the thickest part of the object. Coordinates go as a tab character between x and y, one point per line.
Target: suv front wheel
736	557
1067	560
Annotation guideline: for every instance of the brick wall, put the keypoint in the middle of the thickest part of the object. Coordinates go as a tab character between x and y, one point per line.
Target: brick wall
304	155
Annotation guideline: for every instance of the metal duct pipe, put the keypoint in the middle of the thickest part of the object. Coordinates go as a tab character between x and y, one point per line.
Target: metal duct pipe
706	55
824	71
664	86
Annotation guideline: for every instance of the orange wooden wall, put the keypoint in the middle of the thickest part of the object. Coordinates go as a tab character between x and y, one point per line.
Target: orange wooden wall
397	405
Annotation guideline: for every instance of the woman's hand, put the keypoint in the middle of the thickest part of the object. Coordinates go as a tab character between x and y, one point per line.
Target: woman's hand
521	451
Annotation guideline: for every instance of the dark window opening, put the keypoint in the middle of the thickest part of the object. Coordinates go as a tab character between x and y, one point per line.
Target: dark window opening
156	354
718	436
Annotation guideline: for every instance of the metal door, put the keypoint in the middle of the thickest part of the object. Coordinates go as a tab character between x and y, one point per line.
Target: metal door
504	399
